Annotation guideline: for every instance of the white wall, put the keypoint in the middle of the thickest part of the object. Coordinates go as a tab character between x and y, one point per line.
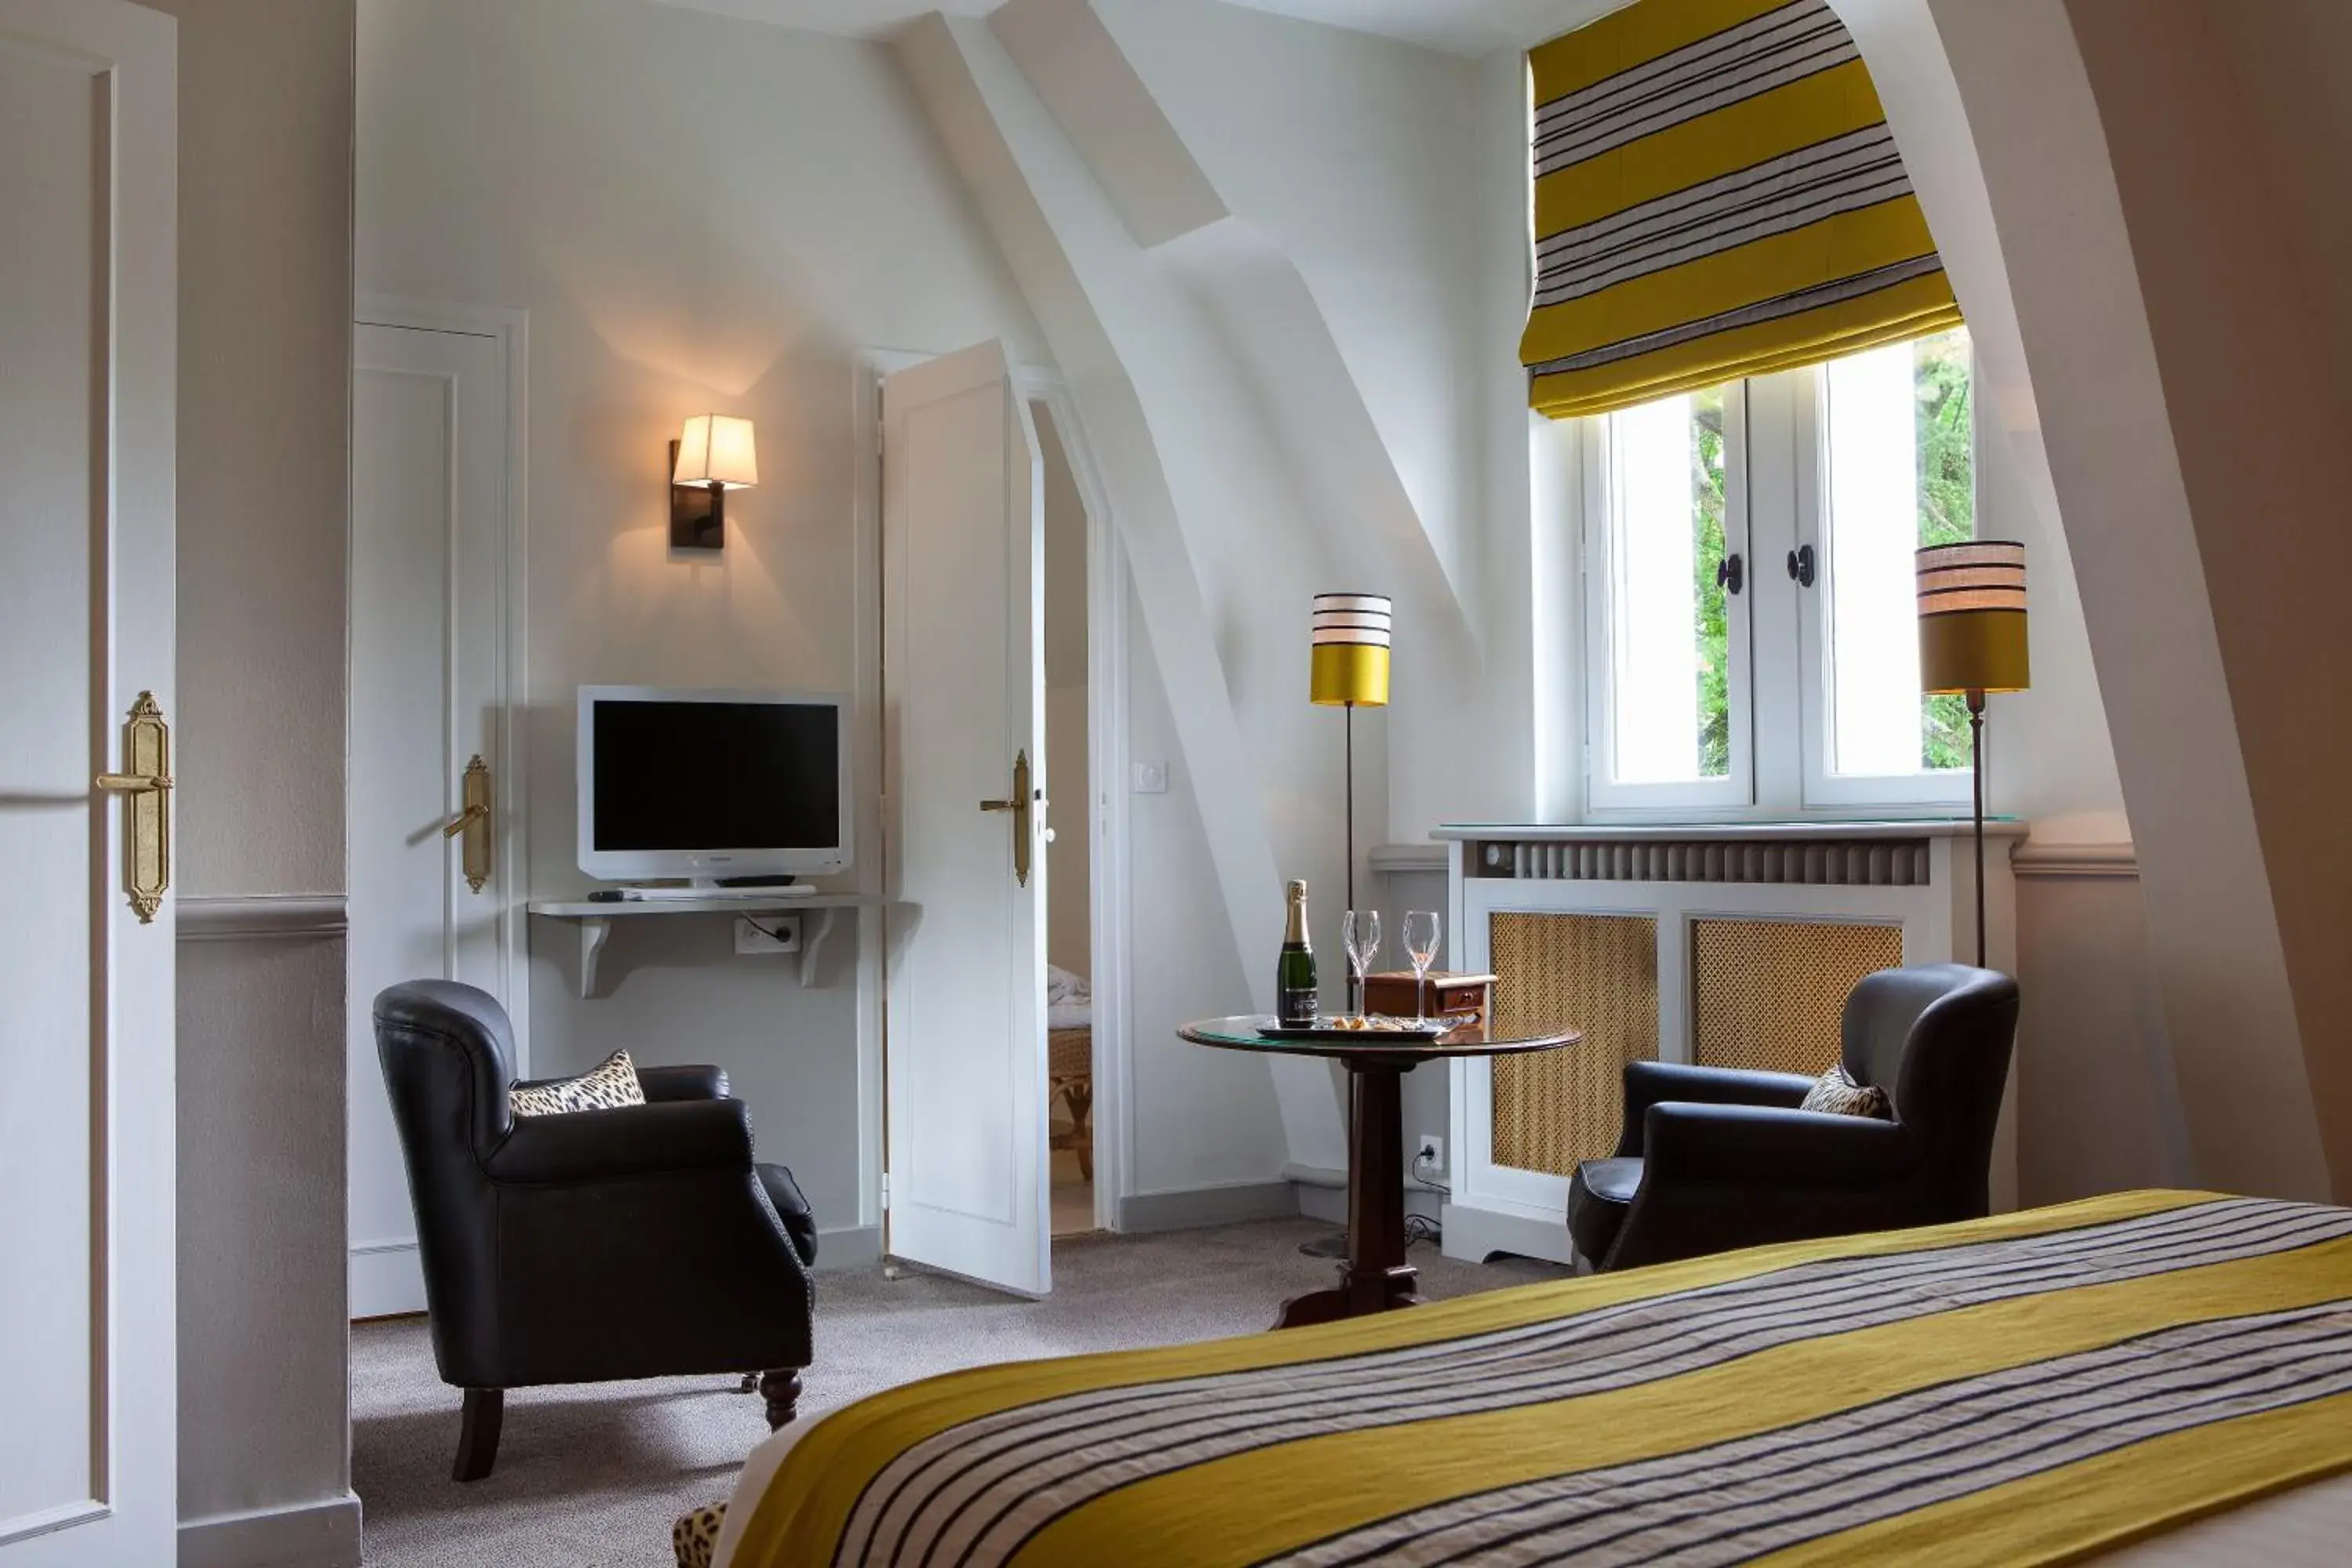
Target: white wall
265	379
1345	288
1197	1118
697	212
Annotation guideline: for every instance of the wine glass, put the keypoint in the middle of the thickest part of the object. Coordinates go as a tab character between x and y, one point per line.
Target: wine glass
1362	936
1421	946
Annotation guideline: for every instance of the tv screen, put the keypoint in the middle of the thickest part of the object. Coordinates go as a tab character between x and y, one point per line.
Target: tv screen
680	778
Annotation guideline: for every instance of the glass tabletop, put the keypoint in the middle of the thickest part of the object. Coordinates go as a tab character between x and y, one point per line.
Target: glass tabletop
1246	1032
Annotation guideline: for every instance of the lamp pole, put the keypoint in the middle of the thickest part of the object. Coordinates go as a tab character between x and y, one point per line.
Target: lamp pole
1976	785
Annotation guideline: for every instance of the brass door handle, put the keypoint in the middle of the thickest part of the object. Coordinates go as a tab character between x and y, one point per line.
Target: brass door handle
146	806
1019	806
474	822
459	823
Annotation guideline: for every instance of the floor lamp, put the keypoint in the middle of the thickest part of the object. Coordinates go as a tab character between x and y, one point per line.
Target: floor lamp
1351	671
1972	643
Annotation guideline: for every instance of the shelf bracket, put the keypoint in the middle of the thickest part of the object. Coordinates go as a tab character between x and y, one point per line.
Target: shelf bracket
594	932
815	927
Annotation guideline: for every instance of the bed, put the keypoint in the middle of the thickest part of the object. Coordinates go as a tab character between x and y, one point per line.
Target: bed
2147	1378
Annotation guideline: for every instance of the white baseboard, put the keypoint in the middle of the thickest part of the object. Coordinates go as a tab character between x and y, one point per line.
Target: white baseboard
1474	1235
1328	1204
324	1534
851	1246
1190	1208
387	1278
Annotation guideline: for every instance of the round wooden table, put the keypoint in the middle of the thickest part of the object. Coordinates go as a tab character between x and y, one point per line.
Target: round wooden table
1375	1277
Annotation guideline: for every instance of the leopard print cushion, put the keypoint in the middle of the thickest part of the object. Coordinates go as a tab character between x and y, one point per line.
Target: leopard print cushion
613	1084
1836	1092
695	1538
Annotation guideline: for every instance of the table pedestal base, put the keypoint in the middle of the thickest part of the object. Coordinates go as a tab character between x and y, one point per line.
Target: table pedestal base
1357	1296
1375	1277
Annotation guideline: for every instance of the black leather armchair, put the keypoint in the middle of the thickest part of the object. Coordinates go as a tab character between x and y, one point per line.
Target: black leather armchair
636	1242
1712	1158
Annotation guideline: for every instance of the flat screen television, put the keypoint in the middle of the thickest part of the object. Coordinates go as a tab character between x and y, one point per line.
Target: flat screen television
711	784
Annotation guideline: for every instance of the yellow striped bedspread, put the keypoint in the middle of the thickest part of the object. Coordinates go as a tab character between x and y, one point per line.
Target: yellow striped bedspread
2030	1388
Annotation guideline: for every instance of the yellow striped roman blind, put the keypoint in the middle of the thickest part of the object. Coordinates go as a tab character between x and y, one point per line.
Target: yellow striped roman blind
1717	194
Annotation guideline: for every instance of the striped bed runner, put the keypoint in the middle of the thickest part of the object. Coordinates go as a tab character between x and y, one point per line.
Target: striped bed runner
2024	1389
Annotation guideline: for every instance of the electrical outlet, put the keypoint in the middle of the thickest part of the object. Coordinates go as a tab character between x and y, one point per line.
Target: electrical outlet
1151	778
1431	1151
754	936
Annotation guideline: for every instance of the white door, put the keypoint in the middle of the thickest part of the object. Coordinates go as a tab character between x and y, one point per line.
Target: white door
428	696
87	338
963	685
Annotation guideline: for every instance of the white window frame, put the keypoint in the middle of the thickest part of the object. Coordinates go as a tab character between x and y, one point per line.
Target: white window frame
1775	465
1736	788
1824	788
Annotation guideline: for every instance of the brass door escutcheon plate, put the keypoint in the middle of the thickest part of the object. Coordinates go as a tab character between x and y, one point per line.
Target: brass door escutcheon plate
145	784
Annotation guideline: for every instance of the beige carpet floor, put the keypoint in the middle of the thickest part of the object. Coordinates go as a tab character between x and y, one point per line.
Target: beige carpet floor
591	1476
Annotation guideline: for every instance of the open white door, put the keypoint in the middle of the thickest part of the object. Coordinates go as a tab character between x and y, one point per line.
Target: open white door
963	776
428	734
89	117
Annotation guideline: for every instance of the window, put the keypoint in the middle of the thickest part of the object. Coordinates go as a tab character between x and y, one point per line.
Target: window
1677	637
1749	570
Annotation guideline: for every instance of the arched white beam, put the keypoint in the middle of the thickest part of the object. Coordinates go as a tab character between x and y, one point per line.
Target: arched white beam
1164	437
1994	111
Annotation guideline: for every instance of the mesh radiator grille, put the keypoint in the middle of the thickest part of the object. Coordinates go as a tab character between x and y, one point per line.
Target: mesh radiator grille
1598	973
1767	994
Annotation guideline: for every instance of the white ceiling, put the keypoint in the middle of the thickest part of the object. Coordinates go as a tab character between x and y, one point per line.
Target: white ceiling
1459	26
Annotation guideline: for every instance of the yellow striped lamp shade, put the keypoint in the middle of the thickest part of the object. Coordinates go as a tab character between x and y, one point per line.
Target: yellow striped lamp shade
1351	650
1972	618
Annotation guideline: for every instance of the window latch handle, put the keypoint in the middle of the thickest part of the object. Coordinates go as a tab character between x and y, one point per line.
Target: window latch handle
1800	566
1730	573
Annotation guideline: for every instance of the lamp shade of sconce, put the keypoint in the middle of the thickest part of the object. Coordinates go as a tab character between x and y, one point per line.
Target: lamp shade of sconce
717	449
714	454
1350	646
1972	618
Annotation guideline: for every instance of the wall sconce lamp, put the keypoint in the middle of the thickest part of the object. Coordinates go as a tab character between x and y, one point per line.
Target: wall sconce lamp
712	456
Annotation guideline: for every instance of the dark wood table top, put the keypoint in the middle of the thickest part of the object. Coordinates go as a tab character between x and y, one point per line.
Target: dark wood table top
1242	1033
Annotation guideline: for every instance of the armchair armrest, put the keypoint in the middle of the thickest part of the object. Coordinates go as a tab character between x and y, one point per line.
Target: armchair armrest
628	1141
1654	1083
1767	1146
663	1085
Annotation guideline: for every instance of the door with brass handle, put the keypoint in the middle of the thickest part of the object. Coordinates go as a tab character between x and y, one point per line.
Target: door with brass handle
145	786
1021	807
474	822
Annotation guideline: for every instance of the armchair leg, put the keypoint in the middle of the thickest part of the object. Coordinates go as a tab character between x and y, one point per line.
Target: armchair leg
478	1433
782	1389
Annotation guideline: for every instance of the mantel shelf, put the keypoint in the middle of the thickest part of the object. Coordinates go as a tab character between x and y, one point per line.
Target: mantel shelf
595	918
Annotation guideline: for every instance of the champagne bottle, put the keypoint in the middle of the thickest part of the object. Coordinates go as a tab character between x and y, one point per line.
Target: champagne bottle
1296	999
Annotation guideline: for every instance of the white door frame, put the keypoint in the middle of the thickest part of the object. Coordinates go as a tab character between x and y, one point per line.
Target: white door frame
1107	706
511	328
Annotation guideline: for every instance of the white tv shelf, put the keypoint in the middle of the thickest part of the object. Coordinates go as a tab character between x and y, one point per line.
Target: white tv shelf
595	918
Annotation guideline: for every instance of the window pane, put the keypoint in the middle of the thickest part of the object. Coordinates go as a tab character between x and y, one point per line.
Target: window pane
1669	702
1900	473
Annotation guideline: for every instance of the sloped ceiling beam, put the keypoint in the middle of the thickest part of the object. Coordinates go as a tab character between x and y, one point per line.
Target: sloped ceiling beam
2003	140
1152	412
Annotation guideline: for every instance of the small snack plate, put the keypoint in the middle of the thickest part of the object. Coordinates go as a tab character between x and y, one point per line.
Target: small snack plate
1368	1031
